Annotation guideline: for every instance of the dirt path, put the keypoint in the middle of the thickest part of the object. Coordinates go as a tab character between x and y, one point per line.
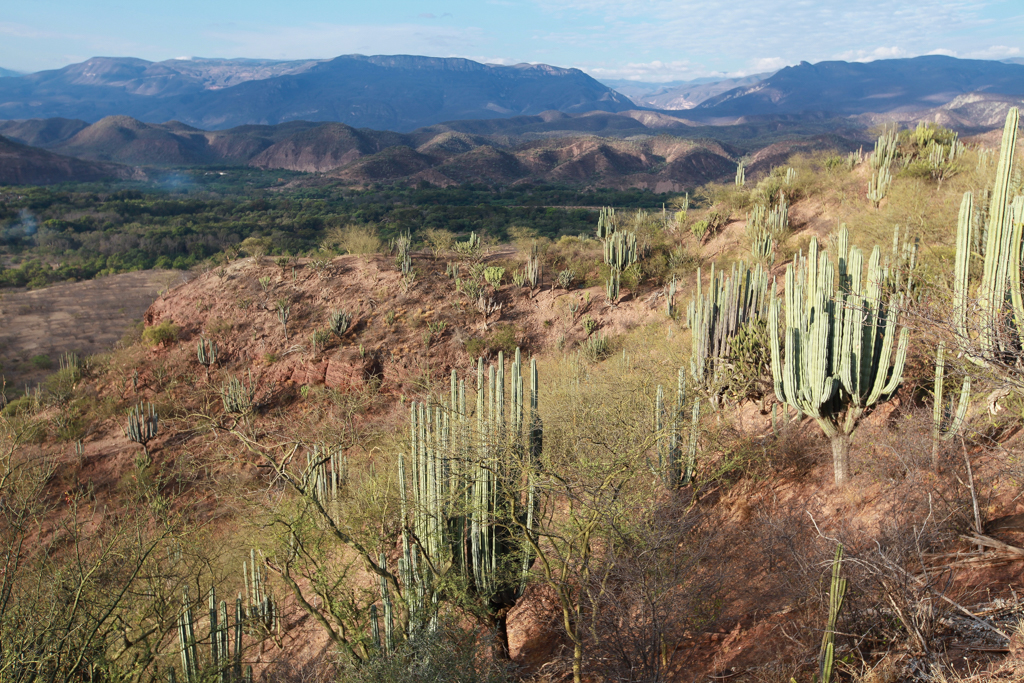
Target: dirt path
85	317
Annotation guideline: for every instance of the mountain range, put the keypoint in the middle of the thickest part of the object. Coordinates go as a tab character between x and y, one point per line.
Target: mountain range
398	93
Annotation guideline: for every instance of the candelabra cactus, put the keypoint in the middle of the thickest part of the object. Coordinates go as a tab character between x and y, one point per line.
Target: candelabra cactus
941	412
716	317
1001	274
741	175
839	340
879	185
470	498
237	397
606	223
206	353
143	425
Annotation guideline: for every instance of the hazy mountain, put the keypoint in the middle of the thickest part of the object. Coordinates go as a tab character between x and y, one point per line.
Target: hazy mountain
677	95
844	88
382	92
1014	60
24	165
7	73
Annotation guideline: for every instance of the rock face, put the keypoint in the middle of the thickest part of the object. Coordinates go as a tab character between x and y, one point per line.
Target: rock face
399	92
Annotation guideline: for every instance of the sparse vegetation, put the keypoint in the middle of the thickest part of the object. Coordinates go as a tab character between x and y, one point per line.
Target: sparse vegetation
409	496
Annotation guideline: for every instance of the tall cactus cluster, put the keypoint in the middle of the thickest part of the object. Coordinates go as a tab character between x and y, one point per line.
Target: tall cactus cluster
620	252
993	334
225	662
717	315
839	342
882	159
468	492
767	226
206	353
606	223
326	476
669	428
741	175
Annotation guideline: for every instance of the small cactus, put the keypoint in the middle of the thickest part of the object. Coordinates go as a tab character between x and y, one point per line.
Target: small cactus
143	425
340	322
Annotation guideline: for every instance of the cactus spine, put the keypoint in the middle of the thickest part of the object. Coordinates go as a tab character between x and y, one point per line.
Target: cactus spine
473	494
940	412
839	343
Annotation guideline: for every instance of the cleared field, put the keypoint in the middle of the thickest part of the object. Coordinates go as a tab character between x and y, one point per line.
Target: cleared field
85	317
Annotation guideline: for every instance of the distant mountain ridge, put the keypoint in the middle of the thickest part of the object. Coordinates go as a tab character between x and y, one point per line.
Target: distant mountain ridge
853	88
398	92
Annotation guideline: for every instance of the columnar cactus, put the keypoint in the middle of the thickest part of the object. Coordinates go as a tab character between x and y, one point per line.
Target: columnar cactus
533	268
206	353
143	425
715	318
839	338
606	223
741	176
470	496
673	471
225	665
1001	275
943	413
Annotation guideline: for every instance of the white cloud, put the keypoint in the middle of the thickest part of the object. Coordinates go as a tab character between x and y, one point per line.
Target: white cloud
871	55
995	52
770	64
725	35
656	71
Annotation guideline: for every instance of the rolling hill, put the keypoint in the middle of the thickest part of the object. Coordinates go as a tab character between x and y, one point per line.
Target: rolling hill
24	165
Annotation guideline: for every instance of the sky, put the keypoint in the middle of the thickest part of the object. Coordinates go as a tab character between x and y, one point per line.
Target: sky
647	40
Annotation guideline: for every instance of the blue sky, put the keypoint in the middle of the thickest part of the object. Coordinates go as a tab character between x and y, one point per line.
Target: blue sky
651	40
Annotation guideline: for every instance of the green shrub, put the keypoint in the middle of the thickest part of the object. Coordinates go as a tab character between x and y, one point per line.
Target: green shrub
164	333
21	406
42	362
501	338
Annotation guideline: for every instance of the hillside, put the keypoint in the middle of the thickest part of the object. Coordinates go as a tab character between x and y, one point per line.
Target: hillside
307	415
383	92
24	165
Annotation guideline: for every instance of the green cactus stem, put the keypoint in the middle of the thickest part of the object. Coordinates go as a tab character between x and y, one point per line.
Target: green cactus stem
941	412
